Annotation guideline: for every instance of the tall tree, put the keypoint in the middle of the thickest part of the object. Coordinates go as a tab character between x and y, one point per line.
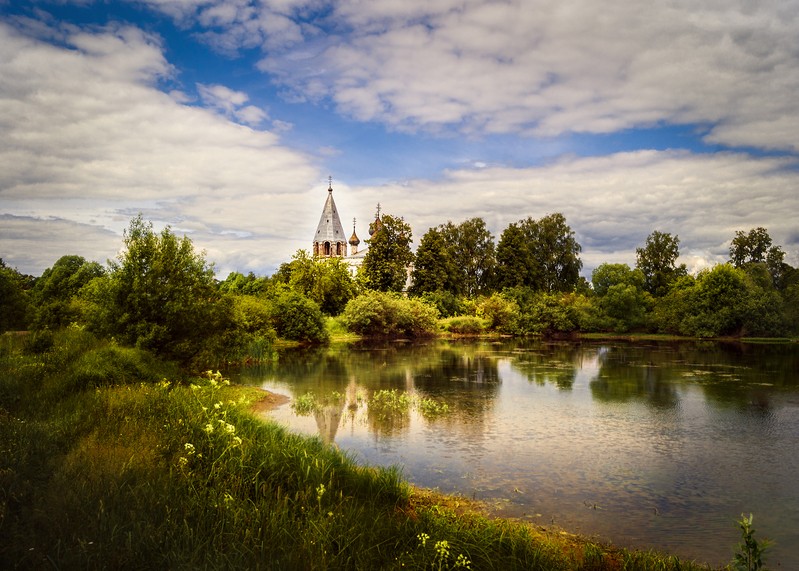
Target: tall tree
385	266
657	259
326	281
13	298
434	269
55	291
471	248
755	247
161	294
539	254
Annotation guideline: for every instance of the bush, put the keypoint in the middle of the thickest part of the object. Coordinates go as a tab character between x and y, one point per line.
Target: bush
464	325
297	318
379	314
499	312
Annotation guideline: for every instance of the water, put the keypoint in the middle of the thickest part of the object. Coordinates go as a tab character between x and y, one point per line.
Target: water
646	445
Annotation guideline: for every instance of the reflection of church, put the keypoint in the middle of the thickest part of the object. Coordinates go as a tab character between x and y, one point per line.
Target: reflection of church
330	239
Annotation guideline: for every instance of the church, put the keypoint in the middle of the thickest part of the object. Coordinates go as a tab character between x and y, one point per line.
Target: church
330	240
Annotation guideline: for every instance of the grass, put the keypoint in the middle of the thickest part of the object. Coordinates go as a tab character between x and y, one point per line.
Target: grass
109	459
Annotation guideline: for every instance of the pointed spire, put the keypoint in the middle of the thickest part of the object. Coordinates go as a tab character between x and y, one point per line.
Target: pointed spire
330	240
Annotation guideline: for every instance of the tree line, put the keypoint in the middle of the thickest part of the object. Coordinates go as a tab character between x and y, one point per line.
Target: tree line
162	295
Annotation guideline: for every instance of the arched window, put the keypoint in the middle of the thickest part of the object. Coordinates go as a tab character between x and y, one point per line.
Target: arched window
327	248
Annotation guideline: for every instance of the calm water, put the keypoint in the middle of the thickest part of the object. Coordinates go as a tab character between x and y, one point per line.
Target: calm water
649	444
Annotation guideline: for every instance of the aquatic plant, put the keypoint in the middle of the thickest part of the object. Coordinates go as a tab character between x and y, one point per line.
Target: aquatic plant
749	556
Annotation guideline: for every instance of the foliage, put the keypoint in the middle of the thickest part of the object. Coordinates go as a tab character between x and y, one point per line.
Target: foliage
326	281
499	311
755	247
160	295
622	302
380	314
471	248
749	556
55	293
297	318
14	302
722	300
464	325
385	266
447	303
238	283
539	254
657	260
434	268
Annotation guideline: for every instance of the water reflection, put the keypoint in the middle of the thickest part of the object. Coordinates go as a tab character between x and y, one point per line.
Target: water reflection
650	444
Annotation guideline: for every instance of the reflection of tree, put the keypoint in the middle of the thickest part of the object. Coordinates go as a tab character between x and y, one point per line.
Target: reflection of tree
543	363
633	372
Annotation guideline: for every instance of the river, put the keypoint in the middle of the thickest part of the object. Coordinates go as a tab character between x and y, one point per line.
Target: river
646	444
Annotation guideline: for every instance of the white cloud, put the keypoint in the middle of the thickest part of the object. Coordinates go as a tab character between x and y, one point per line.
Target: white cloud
551	68
88	141
231	103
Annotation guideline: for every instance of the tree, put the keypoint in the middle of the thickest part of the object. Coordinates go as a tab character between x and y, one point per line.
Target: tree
658	262
385	266
539	254
161	295
326	281
238	283
622	300
471	249
297	318
755	247
56	290
434	269
13	299
606	276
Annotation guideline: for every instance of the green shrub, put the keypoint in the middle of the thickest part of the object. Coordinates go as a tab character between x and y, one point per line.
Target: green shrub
464	325
379	314
297	318
499	312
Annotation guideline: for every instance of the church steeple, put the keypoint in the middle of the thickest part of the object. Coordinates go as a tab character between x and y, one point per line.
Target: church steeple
354	240
329	240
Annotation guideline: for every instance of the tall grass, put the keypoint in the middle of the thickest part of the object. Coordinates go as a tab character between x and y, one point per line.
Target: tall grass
107	464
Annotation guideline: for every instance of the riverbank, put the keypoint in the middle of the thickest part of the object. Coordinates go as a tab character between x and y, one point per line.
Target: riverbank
111	460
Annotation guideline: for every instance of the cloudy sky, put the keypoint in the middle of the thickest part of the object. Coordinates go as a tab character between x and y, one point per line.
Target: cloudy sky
224	119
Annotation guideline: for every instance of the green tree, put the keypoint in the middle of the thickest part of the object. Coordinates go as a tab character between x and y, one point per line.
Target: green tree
657	259
13	299
539	254
385	266
55	293
606	276
434	269
296	317
238	283
721	301
326	281
161	295
755	247
621	299
471	249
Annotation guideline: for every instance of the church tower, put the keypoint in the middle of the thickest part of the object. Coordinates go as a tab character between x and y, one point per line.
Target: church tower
330	240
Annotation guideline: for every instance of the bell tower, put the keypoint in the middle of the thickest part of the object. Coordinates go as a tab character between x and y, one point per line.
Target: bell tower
330	240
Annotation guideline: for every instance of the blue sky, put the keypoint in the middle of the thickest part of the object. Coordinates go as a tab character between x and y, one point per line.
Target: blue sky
224	118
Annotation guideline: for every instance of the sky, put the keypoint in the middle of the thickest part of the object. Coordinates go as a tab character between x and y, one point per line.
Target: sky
223	119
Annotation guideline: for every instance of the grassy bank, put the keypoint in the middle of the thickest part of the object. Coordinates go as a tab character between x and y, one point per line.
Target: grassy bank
110	459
